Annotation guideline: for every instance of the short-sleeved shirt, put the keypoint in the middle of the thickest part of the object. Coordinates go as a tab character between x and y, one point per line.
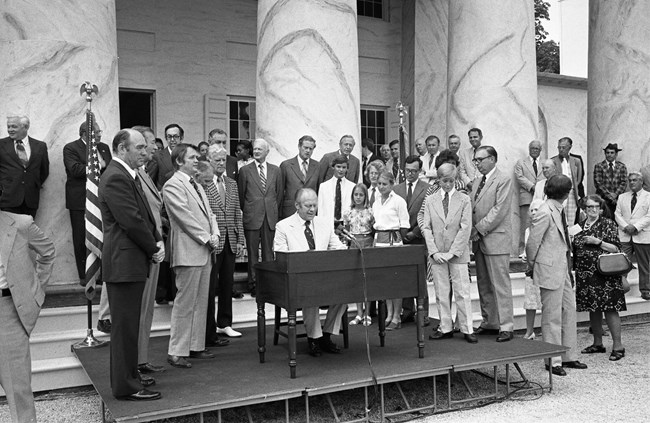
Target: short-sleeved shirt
391	215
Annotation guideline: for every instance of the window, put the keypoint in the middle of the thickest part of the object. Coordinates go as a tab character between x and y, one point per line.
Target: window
241	121
371	8
136	107
373	126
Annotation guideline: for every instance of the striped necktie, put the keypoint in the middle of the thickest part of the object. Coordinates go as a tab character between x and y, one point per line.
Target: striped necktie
262	177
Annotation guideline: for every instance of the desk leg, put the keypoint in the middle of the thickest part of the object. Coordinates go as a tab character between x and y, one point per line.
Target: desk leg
261	330
381	305
291	327
420	324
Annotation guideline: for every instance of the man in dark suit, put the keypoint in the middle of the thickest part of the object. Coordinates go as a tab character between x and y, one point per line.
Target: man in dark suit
298	172
75	160
22	291
131	243
571	166
610	177
220	138
346	145
161	168
413	190
367	156
260	194
24	167
394	165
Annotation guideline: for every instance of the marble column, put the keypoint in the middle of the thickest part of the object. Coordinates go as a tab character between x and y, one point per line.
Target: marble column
307	74
49	48
492	78
619	82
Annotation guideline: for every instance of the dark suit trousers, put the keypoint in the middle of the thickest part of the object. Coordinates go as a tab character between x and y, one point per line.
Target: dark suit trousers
78	223
409	305
22	209
222	278
263	235
166	287
125	300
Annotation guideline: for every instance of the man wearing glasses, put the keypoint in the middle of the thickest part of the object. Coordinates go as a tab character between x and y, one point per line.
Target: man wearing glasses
161	168
491	237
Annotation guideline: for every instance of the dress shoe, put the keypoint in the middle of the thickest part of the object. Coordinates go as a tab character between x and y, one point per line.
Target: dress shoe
150	368
229	332
645	296
178	361
470	337
504	336
327	345
483	331
217	342
441	335
143	395
146	380
557	370
394	326
574	365
314	348
202	355
426	321
104	326
238	295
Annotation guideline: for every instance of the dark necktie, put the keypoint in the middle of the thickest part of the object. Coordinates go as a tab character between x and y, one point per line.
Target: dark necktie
372	196
430	161
337	201
196	188
365	162
611	170
138	182
262	177
480	187
310	236
445	203
395	168
222	191
633	204
535	166
409	194
22	154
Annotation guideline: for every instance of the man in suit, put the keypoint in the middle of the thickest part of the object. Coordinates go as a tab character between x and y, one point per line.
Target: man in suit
346	145
548	254
633	218
492	234
568	165
453	143
260	194
367	156
429	171
22	291
161	167
193	235
304	231
298	172
384	152
527	173
223	197
335	194
131	243
394	165
24	167
413	190
219	137
548	170
75	160
467	168
610	177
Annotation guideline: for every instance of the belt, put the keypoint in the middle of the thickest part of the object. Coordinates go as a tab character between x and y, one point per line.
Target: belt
6	292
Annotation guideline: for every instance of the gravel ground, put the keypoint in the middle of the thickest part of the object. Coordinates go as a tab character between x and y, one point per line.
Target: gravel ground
607	391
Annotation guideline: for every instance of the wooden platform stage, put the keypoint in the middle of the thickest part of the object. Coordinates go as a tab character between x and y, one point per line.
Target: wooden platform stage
236	378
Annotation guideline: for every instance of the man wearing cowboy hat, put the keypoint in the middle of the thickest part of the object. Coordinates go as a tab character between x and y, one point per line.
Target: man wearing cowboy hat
610	177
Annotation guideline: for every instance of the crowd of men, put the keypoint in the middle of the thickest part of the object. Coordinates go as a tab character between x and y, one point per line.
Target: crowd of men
176	217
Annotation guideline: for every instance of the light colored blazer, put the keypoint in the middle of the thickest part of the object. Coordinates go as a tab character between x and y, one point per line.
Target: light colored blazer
491	213
468	171
290	235
539	190
153	197
547	247
448	234
640	218
327	194
191	222
526	178
19	235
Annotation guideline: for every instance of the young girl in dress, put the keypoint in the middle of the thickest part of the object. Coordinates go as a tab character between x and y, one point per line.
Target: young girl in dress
358	221
532	297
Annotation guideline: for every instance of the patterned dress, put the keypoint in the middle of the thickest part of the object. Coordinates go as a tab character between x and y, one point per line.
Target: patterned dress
596	292
360	222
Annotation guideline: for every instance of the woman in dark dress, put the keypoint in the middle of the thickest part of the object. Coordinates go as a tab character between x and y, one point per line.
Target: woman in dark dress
595	292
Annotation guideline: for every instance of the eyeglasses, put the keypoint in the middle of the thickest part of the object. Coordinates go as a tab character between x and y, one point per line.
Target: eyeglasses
411	170
593	207
173	137
477	160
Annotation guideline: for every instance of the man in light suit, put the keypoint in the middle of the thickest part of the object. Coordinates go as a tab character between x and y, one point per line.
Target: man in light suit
467	168
193	235
568	165
24	167
219	137
335	194
429	172
304	231
527	172
22	291
131	243
161	167
548	254
346	145
298	172
260	194
548	170
492	235
633	218
446	228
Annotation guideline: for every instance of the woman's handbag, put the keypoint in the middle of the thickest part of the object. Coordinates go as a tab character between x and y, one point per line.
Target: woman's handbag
615	264
626	284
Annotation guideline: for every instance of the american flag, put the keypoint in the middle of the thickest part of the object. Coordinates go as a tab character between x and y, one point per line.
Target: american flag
94	234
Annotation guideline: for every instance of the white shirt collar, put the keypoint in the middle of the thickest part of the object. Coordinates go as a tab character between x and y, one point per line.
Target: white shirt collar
490	173
442	192
132	172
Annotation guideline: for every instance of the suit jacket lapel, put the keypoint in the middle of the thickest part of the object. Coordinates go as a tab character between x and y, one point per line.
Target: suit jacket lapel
297	169
557	218
8	231
437	207
150	185
488	183
418	191
529	165
11	151
193	192
454	205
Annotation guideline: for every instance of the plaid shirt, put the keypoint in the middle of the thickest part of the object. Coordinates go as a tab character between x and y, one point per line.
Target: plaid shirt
605	182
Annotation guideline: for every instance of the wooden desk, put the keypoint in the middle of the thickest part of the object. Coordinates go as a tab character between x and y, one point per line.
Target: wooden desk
315	278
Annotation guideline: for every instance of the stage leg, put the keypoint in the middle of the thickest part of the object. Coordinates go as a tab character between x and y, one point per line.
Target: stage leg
286	410
219	416
382	413
449	390
381	305
103	407
550	377
200	417
306	408
496	383
507	379
435	395
366	411
261	330
420	325
292	342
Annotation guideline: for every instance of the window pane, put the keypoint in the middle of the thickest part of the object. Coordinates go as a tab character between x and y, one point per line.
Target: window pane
381	136
360	10
378	11
251	111
380	119
244	133
243	110
363	118
252	126
234	130
234	109
371	118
